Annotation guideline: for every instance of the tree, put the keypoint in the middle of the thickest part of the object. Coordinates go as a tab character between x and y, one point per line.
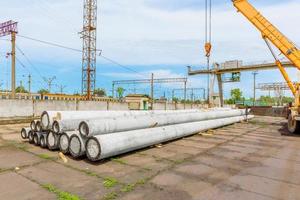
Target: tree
21	89
100	92
175	99
43	91
120	92
236	94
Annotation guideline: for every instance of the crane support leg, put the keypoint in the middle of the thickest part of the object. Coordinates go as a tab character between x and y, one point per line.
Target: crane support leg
220	85
286	77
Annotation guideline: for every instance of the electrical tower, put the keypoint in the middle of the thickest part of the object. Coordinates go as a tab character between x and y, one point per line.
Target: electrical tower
11	28
89	36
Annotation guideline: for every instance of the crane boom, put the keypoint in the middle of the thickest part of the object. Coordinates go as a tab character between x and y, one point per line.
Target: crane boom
271	33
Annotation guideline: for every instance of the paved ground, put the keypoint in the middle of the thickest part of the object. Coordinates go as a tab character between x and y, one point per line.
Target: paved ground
255	160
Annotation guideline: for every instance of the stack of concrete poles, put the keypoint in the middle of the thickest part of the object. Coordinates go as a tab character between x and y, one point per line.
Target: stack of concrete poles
102	134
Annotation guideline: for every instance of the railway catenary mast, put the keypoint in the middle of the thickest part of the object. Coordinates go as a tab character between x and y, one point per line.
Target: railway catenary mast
89	36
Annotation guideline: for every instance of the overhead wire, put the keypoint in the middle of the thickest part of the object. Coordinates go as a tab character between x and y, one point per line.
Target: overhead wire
79	50
25	67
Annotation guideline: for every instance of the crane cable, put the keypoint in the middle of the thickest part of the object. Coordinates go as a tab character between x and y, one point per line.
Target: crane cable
208	14
208	46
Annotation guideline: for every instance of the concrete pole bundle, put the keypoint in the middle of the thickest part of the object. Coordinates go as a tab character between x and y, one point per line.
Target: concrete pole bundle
108	145
93	127
102	134
64	141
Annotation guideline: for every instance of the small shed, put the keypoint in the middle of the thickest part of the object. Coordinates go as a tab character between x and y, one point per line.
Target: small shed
138	101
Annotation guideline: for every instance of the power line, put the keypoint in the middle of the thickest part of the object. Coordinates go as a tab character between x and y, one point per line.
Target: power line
116	63
28	60
25	67
79	50
51	43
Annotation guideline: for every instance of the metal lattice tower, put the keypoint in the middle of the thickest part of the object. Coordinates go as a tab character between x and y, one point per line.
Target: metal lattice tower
89	36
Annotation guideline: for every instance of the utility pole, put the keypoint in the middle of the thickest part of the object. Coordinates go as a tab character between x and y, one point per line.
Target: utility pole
173	94
185	82
254	86
152	90
113	90
49	82
13	64
62	87
29	84
192	95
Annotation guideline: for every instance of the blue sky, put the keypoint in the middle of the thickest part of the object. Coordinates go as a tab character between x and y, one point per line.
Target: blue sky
159	36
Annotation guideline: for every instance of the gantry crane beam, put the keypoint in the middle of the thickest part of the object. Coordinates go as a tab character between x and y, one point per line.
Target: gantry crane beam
273	86
253	67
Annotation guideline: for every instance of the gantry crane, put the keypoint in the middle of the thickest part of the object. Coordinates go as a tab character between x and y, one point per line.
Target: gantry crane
271	34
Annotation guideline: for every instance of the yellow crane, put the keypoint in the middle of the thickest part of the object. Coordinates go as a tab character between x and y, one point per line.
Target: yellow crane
272	35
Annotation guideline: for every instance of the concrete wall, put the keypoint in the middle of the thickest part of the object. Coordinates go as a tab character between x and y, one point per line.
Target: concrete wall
171	106
16	108
92	105
40	106
28	108
269	111
159	106
118	106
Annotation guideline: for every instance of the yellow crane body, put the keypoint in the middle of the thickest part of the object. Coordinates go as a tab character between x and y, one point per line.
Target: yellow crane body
271	34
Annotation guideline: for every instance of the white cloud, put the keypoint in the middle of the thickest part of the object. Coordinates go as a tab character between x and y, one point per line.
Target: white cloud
133	32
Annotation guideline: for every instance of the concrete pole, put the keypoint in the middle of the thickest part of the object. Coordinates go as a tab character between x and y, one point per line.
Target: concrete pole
24	132
93	127
30	136
152	91
29	84
13	65
52	141
77	145
254	87
64	141
220	85
69	121
105	146
185	82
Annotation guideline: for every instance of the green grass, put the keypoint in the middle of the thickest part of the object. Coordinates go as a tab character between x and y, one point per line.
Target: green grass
110	196
90	173
45	156
61	195
120	161
130	187
110	182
